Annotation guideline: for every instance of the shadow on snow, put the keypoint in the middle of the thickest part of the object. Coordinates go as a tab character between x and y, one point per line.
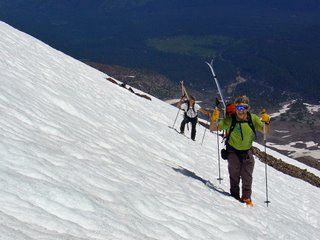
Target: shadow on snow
210	185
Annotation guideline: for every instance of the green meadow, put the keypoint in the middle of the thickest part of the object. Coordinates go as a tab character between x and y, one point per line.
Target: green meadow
199	46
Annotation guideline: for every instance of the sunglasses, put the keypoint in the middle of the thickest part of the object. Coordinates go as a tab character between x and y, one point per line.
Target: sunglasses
241	107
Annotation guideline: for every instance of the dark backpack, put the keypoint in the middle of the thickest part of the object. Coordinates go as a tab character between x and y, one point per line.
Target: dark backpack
224	152
233	124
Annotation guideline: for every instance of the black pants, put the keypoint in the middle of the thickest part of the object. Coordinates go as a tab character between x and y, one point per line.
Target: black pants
193	126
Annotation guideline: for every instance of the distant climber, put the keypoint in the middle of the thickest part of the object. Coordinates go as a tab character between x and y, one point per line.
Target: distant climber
191	109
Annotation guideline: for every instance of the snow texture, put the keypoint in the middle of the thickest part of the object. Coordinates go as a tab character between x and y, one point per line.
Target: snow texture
84	159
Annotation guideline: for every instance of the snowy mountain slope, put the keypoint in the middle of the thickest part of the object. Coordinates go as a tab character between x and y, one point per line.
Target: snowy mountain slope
82	158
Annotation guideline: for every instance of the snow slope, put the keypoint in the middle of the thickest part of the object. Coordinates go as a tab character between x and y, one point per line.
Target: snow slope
81	158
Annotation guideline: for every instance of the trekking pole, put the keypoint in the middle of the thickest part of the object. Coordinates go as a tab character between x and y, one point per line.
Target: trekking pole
265	163
204	133
182	94
218	144
176	118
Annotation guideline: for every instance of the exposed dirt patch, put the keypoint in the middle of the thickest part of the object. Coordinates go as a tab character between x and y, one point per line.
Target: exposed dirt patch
287	168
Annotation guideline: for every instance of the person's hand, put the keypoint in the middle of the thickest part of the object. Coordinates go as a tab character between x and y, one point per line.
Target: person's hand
264	116
215	115
183	98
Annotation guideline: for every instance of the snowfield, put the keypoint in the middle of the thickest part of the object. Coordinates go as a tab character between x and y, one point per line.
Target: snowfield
84	159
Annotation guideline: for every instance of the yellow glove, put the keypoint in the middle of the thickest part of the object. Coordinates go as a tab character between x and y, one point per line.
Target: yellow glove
215	115
264	116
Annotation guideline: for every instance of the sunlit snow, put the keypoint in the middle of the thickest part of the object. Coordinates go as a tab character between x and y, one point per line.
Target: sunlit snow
312	108
82	158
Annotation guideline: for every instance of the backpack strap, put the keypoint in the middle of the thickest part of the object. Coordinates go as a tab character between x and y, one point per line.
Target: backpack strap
229	131
185	113
251	124
188	106
234	122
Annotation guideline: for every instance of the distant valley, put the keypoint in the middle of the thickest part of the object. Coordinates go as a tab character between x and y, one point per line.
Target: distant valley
274	45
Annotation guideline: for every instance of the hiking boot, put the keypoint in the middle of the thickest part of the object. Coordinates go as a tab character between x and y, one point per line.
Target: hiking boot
247	201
